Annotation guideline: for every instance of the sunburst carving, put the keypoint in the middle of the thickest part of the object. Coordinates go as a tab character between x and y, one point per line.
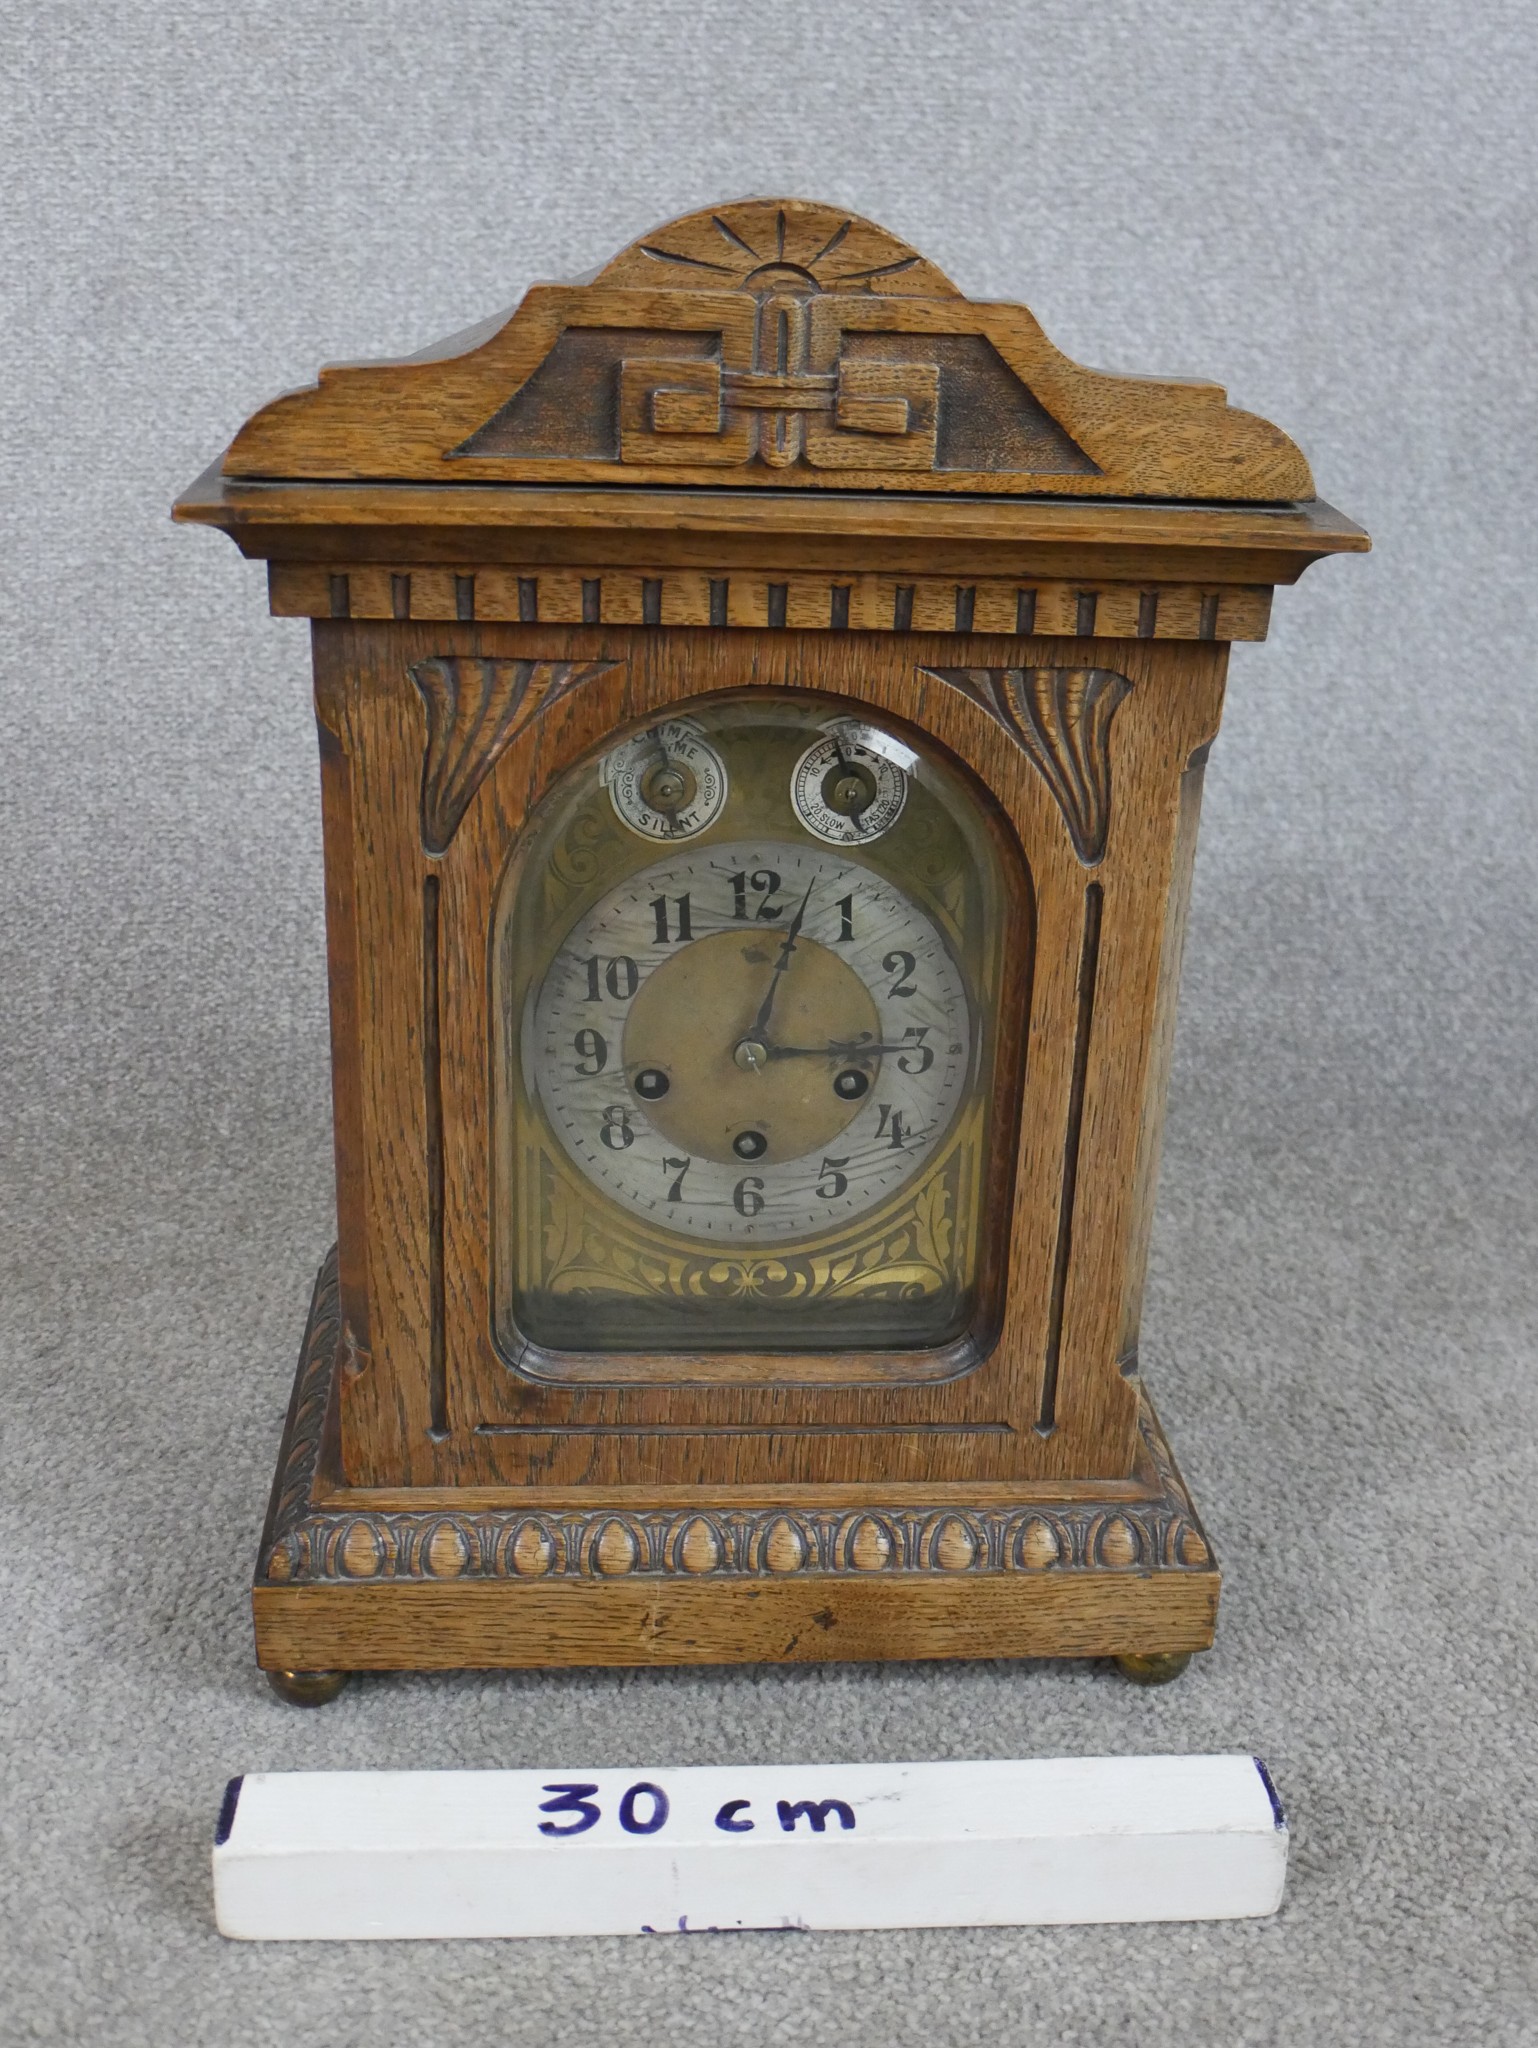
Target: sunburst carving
731	247
1062	718
476	707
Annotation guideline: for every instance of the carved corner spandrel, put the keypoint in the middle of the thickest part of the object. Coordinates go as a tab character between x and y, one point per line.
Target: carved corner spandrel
476	707
1062	718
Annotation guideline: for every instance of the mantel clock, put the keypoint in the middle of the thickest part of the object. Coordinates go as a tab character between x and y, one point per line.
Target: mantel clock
762	700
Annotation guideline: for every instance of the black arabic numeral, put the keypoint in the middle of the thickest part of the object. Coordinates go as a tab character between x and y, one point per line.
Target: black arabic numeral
891	1120
902	965
592	1052
619	977
665	933
925	1054
747	1196
765	883
845	909
831	1183
680	1167
616	1132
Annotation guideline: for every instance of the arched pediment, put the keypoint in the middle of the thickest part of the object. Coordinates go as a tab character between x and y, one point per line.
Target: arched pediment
770	343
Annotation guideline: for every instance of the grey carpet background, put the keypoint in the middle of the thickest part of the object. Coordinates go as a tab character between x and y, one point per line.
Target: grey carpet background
1327	205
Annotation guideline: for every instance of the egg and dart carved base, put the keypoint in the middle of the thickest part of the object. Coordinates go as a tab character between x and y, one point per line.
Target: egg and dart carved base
347	1581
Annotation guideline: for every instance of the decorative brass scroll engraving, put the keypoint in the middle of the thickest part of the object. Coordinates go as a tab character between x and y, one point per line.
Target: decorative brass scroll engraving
1062	718
904	1252
475	708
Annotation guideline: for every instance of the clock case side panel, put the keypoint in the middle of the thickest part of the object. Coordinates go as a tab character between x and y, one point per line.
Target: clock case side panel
1145	1181
342	971
1109	965
1108	822
371	768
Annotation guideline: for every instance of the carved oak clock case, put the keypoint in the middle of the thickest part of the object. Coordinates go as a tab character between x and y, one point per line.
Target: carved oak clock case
763	699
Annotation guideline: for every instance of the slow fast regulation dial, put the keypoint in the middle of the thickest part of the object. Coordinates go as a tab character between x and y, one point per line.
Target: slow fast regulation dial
751	1043
851	784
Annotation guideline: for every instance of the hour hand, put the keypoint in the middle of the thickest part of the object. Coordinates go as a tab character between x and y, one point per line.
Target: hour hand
845	1049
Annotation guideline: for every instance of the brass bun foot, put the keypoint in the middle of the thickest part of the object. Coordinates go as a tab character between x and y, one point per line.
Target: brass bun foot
1157	1668
307	1688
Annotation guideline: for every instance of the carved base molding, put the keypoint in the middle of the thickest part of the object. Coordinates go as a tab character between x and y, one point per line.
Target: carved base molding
822	601
346	1584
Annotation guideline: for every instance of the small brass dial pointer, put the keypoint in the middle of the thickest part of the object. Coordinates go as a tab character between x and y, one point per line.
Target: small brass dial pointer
852	793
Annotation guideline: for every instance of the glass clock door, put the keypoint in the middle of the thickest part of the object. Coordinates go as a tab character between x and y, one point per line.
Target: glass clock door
752	1097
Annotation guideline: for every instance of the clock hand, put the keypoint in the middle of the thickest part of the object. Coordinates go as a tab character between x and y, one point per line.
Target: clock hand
846	1049
760	1023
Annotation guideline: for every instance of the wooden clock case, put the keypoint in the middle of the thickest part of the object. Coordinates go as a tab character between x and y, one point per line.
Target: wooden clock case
768	446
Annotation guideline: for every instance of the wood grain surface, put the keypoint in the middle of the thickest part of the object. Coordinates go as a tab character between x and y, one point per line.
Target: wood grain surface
443	1581
592	593
742	345
835	473
446	1628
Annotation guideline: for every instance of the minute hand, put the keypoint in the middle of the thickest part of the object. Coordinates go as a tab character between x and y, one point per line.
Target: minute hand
760	1023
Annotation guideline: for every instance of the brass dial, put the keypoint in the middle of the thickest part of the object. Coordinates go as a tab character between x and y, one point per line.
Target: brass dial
751	1042
725	1085
748	1097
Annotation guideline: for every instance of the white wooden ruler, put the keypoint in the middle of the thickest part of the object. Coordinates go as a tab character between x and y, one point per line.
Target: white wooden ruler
403	1855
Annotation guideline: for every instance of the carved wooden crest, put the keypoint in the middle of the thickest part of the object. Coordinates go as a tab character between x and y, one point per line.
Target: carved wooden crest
779	343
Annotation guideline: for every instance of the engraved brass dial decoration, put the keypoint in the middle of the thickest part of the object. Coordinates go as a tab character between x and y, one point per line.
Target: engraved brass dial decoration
751	1043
